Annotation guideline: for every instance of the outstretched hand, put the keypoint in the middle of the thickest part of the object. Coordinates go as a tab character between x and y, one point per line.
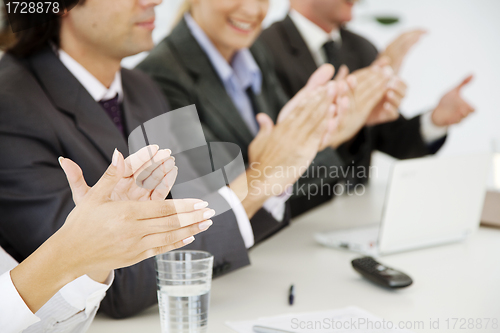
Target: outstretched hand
452	108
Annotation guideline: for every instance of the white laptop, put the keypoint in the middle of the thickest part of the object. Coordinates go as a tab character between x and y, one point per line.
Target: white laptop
429	201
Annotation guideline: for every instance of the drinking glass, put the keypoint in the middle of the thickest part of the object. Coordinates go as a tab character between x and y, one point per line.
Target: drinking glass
184	279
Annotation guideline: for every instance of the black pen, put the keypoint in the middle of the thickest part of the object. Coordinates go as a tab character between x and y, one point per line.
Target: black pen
291	295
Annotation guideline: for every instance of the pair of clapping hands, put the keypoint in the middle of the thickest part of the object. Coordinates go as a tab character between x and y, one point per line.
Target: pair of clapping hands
120	221
325	113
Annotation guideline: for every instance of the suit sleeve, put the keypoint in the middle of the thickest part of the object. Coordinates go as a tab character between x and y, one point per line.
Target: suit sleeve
35	198
403	139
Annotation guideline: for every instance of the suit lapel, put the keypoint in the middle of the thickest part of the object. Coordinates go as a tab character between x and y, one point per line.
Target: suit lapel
136	108
69	96
220	103
305	64
210	89
304	60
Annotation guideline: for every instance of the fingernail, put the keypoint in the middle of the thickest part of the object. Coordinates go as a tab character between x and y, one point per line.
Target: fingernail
188	240
60	159
114	161
387	106
208	214
205	225
391	94
200	205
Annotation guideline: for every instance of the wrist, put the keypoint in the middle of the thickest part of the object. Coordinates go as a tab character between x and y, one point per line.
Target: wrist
435	119
250	189
338	139
39	277
99	276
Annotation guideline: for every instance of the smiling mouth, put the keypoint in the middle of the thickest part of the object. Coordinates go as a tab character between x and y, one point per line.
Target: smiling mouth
241	26
149	24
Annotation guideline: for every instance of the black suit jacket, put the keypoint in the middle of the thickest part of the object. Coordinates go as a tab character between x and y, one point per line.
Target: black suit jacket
186	76
295	64
46	113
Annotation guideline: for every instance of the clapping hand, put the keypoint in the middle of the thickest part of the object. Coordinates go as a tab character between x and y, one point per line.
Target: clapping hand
399	48
388	108
149	174
370	87
339	89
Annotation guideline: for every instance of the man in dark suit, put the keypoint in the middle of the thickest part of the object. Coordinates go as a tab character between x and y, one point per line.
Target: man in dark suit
63	93
313	34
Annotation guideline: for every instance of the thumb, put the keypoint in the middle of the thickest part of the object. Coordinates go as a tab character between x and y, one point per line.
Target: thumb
104	187
74	175
266	125
465	82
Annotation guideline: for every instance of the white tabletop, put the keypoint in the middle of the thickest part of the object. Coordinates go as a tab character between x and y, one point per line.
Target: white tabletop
460	280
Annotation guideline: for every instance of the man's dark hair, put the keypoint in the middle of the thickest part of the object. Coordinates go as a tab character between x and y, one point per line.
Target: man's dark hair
6	35
30	41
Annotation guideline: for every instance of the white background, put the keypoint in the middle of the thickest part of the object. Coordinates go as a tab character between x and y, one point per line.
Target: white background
464	37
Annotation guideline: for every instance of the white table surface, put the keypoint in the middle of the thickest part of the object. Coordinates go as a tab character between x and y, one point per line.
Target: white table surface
460	280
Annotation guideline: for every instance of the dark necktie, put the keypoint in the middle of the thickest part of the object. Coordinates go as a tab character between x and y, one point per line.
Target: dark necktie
332	54
114	111
255	105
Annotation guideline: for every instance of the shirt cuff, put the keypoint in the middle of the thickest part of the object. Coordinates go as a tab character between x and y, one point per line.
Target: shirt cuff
276	206
241	215
85	293
15	316
429	131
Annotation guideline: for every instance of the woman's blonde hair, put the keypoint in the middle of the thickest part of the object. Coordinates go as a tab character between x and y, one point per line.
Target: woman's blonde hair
184	8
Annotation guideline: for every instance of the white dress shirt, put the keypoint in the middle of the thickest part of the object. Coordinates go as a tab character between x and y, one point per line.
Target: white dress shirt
72	309
95	88
315	38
